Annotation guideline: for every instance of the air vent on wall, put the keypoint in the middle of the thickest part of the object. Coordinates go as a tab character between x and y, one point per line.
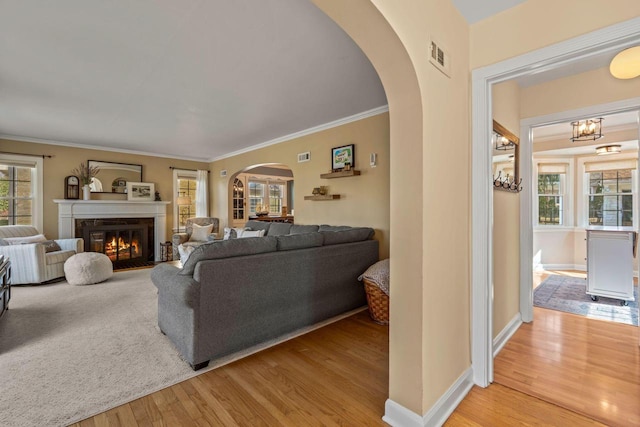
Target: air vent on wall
439	58
223	173
304	157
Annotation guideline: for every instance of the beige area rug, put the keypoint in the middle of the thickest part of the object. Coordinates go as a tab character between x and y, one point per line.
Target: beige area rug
69	352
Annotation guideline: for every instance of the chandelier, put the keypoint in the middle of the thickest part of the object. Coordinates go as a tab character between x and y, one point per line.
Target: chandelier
587	130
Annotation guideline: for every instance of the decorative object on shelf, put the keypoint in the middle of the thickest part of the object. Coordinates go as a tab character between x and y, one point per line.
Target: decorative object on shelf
626	64
507	183
262	210
340	156
321	193
158	199
587	130
283	211
85	174
604	150
140	191
347	166
72	187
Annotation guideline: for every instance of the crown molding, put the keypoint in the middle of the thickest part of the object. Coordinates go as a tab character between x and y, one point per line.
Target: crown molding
309	131
96	147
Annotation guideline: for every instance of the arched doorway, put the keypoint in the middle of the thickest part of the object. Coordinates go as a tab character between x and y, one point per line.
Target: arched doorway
261	189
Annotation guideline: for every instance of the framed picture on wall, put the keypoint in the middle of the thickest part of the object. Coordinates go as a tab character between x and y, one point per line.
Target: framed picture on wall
342	156
140	191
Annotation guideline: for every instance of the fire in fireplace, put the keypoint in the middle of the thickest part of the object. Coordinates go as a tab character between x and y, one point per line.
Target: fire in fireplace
126	241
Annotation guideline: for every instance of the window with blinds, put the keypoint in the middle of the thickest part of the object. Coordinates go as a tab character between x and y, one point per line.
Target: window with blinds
551	193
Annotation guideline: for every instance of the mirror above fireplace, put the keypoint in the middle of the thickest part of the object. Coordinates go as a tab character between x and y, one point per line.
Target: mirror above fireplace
113	177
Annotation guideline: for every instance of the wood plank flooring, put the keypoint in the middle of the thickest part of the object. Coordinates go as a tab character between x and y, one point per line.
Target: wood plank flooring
585	365
338	375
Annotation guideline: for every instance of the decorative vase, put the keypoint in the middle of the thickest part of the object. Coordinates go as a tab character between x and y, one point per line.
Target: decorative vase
86	192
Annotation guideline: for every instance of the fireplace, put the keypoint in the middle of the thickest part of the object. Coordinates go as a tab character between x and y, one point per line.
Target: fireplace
70	212
128	242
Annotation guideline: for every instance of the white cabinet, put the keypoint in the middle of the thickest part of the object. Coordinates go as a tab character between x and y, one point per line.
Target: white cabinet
610	253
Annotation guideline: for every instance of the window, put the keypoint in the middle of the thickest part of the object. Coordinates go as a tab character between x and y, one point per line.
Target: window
266	194
184	183
20	194
611	198
551	195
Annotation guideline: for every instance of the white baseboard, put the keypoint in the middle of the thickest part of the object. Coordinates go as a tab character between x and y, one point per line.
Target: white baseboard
397	415
501	339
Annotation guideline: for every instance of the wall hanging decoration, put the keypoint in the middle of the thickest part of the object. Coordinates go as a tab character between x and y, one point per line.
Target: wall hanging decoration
341	156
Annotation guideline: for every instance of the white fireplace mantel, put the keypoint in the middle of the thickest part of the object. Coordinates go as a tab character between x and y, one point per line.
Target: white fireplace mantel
70	210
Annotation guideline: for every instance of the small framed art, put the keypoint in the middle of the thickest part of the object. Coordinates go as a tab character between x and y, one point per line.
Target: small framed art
140	191
342	156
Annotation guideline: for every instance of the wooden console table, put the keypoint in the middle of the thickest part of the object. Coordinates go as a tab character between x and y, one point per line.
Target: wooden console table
5	284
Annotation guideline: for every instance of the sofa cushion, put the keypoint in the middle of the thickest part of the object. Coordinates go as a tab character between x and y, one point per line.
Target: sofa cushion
301	229
250	233
51	246
199	233
279	229
299	241
325	227
356	234
227	249
258	225
232	233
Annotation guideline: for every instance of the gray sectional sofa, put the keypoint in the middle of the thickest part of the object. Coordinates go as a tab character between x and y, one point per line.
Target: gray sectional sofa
231	295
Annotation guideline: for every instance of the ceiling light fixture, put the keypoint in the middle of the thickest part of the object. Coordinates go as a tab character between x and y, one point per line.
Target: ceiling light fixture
502	143
608	149
587	130
626	64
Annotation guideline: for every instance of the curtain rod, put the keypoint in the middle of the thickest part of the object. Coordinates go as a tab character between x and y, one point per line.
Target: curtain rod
31	155
183	169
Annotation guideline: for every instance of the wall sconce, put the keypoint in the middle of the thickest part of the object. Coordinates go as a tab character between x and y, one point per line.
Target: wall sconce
502	142
587	130
608	149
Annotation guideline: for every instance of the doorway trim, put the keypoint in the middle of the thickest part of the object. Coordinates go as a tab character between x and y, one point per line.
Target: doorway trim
609	39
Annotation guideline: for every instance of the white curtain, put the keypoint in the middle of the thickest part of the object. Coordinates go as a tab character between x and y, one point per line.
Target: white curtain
202	208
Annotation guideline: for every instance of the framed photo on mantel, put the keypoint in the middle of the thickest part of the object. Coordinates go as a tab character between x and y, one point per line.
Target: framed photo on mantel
140	191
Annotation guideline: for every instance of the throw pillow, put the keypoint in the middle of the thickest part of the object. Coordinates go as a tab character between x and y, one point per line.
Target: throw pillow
251	233
51	246
38	238
232	233
184	252
199	233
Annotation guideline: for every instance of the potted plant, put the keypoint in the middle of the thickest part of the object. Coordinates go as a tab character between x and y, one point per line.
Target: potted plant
85	174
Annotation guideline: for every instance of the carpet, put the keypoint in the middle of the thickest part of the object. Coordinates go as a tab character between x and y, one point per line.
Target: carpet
70	352
565	293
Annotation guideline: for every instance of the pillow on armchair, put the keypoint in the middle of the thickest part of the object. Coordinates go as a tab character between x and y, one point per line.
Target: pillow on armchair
200	233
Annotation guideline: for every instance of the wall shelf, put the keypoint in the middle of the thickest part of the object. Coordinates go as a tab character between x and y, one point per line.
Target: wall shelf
341	174
325	197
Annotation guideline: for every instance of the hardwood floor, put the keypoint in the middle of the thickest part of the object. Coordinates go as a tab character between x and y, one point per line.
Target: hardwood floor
338	375
585	365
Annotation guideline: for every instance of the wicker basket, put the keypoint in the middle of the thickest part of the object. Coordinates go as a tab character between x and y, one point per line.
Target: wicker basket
378	303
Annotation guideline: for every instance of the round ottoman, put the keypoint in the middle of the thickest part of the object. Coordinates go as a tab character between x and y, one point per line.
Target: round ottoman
87	268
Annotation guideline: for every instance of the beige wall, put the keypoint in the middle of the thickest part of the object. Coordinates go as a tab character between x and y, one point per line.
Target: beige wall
538	23
506	219
154	169
429	116
364	199
581	90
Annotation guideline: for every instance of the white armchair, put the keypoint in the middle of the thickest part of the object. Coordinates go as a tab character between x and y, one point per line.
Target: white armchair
30	262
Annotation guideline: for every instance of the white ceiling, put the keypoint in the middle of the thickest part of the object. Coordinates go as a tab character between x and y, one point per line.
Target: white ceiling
191	79
195	79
